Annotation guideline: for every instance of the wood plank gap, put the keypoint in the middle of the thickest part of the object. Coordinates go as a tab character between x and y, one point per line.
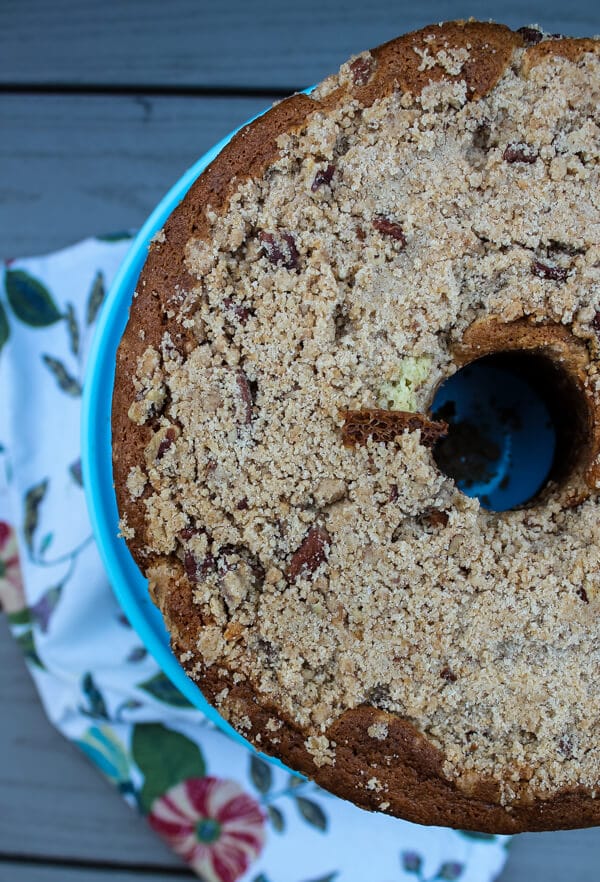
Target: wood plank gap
149	89
139	868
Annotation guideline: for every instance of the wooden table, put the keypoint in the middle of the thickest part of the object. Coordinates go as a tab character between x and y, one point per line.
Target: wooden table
102	107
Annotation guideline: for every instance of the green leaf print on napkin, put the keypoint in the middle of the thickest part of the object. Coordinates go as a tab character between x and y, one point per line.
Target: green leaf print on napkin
312	813
21	617
261	776
73	329
64	379
412	862
33	500
260	773
4	327
96	706
30	300
26	642
95	298
328	878
160	687
165	758
276	818
46	543
76	472
450	871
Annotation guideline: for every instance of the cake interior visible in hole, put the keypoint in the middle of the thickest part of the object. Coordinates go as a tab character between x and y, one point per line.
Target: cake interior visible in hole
517	420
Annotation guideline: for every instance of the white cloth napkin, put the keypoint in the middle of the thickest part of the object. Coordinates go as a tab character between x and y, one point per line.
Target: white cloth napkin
229	814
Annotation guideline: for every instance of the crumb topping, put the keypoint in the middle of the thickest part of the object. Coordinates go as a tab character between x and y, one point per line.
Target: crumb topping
341	281
321	749
378	731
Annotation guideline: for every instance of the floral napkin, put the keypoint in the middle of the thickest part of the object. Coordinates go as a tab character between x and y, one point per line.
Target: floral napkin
224	810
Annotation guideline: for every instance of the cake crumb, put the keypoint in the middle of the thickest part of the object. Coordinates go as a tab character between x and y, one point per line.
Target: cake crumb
330	490
321	749
210	644
125	531
136	482
374	784
378	731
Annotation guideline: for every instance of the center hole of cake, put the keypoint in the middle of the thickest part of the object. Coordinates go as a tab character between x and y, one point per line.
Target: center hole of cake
517	421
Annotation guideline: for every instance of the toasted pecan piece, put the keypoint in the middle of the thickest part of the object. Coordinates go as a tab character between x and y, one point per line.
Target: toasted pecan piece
310	554
386	425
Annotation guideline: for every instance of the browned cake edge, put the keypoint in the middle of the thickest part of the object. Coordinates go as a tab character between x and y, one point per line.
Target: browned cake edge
410	779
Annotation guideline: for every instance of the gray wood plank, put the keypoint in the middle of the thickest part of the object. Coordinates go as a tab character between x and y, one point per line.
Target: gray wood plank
53	802
27	872
238	44
74	166
567	856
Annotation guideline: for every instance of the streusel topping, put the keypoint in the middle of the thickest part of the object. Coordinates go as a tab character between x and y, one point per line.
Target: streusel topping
376	238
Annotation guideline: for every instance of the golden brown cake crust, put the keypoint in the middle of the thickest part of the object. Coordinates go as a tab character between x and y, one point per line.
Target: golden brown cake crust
399	63
570	48
404	774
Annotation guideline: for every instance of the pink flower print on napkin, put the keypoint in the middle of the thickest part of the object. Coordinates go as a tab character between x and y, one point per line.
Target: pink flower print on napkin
12	596
217	828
